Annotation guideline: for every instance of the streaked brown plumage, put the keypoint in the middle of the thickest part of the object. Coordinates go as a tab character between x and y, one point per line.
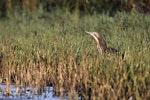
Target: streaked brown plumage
101	44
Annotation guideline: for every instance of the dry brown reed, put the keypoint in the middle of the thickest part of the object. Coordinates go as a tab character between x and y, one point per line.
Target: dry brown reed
66	59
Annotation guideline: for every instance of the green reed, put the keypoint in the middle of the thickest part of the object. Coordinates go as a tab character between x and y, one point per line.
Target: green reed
56	51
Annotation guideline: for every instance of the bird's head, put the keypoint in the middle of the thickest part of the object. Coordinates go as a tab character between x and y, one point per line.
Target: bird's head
101	43
95	35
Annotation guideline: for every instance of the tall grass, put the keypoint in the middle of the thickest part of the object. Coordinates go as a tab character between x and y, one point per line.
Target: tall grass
55	50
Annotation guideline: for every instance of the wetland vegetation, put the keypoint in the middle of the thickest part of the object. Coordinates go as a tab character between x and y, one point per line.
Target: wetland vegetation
52	49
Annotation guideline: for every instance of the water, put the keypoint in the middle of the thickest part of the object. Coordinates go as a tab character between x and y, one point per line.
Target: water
27	94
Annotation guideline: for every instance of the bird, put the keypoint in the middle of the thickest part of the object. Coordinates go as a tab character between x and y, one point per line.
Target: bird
101	44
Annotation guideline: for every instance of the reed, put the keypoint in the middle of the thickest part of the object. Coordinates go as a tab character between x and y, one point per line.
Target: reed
36	52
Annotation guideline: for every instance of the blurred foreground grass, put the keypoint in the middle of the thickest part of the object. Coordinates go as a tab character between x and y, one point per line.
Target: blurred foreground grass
53	49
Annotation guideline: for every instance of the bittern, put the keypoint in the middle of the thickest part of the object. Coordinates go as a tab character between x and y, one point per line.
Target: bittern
101	44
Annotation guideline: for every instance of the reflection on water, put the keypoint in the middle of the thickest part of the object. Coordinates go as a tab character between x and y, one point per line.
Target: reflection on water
17	93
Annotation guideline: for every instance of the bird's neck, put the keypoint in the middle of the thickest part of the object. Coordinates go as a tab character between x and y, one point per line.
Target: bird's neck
100	50
102	46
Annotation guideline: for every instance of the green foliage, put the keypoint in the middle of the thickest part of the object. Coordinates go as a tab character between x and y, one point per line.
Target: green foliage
9	7
55	49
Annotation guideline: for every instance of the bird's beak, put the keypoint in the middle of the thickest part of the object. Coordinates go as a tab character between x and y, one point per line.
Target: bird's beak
89	32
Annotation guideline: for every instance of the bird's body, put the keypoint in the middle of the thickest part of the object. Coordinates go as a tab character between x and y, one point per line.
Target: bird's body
101	44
